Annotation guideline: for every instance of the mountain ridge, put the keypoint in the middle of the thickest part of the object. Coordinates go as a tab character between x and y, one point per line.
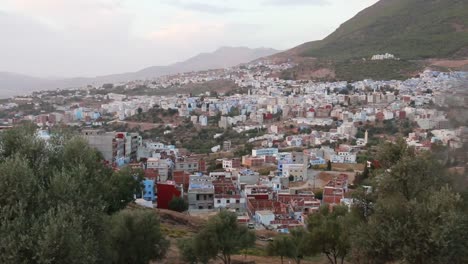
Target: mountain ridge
12	84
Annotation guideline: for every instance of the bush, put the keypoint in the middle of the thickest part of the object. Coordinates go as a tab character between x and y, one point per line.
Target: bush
178	204
136	237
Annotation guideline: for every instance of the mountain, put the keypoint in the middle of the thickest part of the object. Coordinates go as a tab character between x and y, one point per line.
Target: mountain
409	29
17	84
224	57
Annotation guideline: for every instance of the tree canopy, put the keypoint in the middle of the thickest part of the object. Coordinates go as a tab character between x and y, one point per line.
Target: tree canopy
329	232
178	204
219	239
414	215
57	199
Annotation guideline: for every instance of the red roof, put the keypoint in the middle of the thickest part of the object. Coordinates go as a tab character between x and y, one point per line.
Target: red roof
332	200
332	195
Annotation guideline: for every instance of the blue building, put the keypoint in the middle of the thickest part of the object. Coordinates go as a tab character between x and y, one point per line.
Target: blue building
96	115
78	113
148	191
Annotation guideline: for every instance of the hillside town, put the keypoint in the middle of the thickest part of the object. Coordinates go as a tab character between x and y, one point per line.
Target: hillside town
229	132
277	149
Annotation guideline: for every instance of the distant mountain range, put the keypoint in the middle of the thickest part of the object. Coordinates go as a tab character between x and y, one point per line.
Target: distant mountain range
427	31
18	84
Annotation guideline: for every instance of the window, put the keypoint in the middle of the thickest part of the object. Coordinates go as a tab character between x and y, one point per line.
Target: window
228	201
219	201
200	207
237	201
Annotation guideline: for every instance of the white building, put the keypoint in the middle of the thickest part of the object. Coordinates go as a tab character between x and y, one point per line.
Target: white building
264	217
343	157
298	171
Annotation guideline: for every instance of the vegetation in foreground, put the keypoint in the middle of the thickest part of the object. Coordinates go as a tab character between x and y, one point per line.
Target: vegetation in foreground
219	239
59	203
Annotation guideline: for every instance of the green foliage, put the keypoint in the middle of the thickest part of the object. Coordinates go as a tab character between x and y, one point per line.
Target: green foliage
153	115
318	194
265	171
178	204
390	153
220	238
189	253
329	233
298	245
136	237
55	197
414	216
122	186
294	246
246	150
281	246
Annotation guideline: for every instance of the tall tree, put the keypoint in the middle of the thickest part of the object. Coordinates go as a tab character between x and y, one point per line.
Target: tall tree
416	216
55	197
190	253
298	244
280	246
178	204
221	237
136	237
329	233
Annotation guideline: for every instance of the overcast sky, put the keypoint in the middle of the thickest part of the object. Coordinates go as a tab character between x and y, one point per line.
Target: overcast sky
65	38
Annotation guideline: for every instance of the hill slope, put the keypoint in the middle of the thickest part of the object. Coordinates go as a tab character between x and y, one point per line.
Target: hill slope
410	29
420	32
223	57
16	84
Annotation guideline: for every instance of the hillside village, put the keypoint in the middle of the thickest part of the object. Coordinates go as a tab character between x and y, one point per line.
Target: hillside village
348	148
279	149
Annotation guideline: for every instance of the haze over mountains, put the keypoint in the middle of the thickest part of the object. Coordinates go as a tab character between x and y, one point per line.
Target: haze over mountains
17	84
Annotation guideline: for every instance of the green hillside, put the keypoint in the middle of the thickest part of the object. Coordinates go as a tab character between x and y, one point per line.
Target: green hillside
410	29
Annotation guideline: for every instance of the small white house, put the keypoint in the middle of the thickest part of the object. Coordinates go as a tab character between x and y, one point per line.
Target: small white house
264	217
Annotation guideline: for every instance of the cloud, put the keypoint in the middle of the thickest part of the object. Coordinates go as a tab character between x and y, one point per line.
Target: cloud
201	7
296	2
